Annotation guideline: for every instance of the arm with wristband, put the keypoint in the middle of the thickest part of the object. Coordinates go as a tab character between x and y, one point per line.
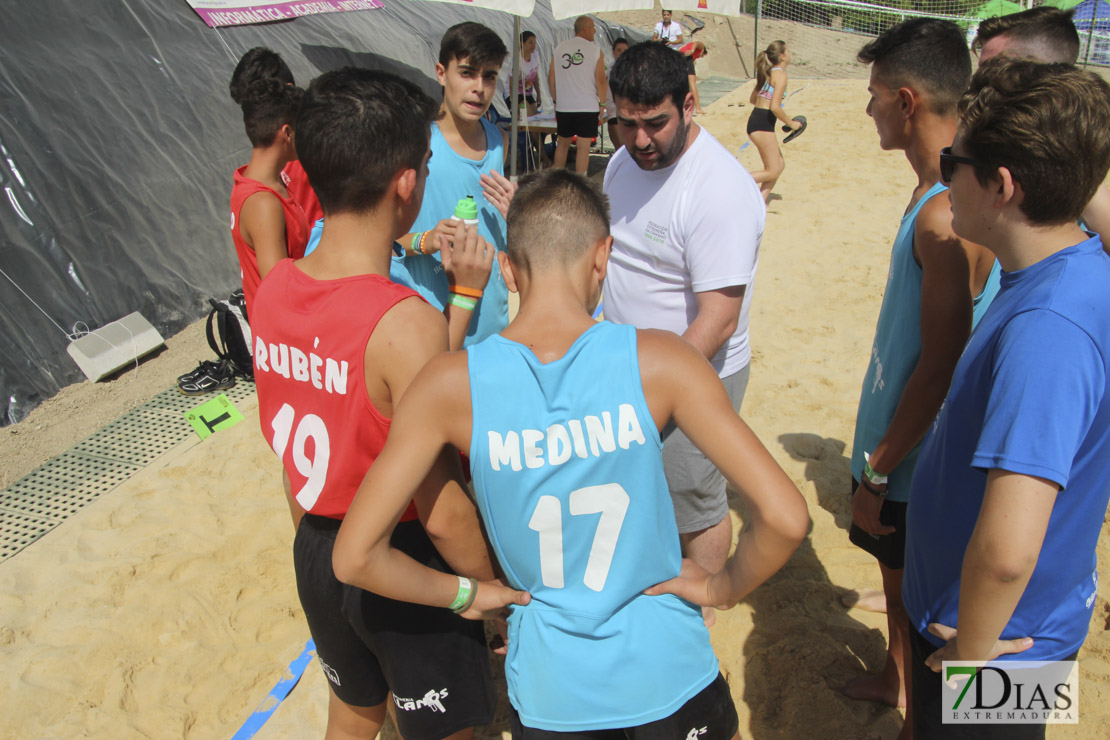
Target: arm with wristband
436	412
467	263
946	312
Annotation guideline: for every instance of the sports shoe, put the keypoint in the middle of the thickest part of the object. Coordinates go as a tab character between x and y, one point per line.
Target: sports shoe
205	366
210	377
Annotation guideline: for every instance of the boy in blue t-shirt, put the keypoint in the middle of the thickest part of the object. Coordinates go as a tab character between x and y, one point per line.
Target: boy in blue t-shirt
465	145
561	417
1013	481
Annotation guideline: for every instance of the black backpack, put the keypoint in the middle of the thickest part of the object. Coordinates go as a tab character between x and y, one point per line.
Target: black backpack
229	333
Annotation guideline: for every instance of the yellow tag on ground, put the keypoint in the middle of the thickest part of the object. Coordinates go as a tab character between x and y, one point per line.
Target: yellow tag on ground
213	415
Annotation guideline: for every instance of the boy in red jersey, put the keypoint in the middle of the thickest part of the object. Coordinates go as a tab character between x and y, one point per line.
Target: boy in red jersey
335	346
267	223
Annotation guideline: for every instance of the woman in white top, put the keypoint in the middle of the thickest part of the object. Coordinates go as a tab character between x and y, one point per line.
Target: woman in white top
770	86
527	90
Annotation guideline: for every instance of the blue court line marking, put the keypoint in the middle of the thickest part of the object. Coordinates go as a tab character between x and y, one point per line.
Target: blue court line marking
288	680
746	143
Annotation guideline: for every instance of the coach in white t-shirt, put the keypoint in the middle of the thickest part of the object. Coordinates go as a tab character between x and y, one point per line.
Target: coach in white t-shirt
668	31
576	78
687	220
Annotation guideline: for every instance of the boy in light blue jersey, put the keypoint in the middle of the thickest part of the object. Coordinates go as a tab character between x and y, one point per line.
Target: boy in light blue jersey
1013	480
936	287
561	418
465	146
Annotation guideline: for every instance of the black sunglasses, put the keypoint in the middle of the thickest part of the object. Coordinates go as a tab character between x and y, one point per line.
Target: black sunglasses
948	162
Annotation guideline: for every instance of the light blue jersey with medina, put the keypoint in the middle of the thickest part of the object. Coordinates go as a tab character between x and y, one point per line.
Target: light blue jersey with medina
568	474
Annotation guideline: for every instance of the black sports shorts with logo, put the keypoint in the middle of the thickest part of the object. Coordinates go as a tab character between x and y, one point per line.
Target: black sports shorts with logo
434	662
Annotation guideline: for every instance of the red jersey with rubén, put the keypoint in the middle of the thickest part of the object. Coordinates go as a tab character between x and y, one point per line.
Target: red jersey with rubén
309	353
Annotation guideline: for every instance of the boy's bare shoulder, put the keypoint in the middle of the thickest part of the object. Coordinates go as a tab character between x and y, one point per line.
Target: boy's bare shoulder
411	319
933	228
405	338
662	352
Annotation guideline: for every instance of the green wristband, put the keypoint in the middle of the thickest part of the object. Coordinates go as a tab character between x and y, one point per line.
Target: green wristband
462	301
869	472
414	244
468	589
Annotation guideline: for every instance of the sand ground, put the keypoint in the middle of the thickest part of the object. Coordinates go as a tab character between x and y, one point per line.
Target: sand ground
167	607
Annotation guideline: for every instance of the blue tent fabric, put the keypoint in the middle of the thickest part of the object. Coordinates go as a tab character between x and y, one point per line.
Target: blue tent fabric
117	144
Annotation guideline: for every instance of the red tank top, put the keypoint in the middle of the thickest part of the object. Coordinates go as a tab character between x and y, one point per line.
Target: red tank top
309	346
296	232
297	182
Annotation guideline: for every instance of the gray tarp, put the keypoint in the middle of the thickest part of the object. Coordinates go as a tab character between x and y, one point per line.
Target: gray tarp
118	141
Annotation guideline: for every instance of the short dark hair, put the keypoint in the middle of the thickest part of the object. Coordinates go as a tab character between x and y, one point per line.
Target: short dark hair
256	64
925	52
471	41
620	40
648	73
357	129
525	35
1046	124
269	104
553	217
1046	34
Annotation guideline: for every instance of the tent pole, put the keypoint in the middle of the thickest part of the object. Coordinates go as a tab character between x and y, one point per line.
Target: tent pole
514	109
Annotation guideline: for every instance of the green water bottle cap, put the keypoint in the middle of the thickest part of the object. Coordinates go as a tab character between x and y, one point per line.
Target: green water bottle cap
466	209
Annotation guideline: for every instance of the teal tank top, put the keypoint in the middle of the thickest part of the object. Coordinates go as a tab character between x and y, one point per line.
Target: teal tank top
568	476
896	350
452	177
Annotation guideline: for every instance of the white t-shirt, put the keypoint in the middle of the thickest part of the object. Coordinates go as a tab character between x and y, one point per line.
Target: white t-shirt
529	76
670	33
692	227
575	76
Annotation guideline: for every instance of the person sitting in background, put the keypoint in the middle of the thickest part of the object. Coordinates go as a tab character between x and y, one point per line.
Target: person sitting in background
529	74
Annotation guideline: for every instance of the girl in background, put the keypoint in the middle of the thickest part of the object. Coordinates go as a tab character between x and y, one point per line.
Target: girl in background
770	85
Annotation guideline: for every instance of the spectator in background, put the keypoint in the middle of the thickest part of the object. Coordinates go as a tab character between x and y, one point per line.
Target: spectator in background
619	47
578	86
694	51
527	83
668	31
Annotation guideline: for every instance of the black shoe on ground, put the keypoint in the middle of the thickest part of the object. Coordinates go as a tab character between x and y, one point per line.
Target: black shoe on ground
205	366
208	378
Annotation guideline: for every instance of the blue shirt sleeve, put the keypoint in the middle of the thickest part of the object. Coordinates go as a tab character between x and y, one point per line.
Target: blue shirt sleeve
1048	380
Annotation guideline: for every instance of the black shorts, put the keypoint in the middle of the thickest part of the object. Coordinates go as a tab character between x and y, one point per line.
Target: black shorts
519	97
709	715
690	70
435	663
576	124
888	549
928	720
761	119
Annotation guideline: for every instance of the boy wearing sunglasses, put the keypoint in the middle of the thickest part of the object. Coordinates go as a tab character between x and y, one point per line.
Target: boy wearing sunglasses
1014	478
936	283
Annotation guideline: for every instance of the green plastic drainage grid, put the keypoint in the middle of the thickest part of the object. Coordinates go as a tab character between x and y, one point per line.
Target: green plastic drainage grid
59	488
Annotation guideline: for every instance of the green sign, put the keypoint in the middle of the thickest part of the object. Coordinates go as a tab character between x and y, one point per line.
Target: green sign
213	415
